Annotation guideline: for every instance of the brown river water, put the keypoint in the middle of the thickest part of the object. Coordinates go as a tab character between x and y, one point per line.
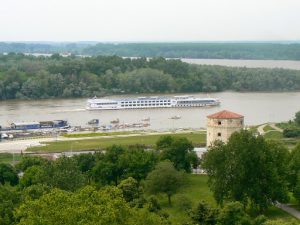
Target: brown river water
256	107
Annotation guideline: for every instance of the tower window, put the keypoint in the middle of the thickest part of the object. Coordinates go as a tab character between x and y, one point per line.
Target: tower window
219	122
219	134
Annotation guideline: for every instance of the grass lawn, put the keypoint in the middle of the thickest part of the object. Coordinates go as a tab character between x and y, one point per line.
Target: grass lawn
278	136
99	134
290	142
196	190
198	138
268	128
273	134
9	158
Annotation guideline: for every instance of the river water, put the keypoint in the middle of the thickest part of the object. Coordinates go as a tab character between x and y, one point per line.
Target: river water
256	107
285	64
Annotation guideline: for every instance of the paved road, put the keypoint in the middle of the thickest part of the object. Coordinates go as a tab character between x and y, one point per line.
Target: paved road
289	210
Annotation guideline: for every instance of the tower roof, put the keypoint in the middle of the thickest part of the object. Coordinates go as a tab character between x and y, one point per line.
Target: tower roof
225	114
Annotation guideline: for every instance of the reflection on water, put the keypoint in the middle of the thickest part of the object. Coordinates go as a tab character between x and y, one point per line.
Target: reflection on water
256	107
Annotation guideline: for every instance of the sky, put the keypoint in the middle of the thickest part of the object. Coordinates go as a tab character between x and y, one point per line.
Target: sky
149	20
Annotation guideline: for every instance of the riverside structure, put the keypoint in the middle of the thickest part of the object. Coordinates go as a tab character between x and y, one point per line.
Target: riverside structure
221	125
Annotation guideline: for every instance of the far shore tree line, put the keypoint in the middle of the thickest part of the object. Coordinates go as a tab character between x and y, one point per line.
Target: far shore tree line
213	50
121	185
30	77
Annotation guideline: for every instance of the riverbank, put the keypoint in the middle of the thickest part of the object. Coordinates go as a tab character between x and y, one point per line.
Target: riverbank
258	108
88	143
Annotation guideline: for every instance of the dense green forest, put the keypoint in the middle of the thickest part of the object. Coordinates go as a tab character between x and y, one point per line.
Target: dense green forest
128	185
211	50
29	77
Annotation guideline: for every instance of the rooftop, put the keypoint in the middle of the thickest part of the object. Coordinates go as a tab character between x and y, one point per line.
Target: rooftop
225	114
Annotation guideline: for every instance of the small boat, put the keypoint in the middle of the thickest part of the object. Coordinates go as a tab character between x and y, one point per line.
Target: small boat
175	117
93	122
115	121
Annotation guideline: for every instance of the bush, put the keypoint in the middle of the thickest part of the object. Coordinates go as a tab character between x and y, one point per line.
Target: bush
184	203
153	204
205	214
291	132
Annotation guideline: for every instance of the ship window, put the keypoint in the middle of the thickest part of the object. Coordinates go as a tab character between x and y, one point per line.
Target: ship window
219	134
219	123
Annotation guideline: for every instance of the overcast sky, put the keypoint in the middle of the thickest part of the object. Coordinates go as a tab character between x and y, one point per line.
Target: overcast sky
149	20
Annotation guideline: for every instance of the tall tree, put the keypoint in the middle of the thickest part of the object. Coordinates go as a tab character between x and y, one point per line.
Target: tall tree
86	206
294	172
8	174
137	162
108	168
179	151
248	169
164	179
9	200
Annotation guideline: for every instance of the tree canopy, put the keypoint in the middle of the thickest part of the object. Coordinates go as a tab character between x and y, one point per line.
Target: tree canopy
248	169
8	174
86	206
180	151
29	77
164	179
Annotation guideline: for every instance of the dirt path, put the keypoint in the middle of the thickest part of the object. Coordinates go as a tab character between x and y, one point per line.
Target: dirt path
273	125
260	129
289	209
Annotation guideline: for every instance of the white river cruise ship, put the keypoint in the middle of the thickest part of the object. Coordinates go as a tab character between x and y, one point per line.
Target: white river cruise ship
150	102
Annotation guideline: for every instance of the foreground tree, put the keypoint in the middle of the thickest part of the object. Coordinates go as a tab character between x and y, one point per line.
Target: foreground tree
108	168
164	179
179	151
64	173
9	200
137	162
8	174
233	214
294	172
205	214
130	189
247	169
87	206
29	161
